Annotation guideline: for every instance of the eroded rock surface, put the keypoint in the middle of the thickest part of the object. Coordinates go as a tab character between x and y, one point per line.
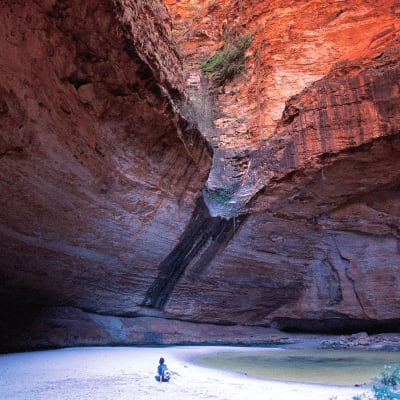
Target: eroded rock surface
321	181
97	178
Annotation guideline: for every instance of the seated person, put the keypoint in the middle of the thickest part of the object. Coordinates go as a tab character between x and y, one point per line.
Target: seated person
163	372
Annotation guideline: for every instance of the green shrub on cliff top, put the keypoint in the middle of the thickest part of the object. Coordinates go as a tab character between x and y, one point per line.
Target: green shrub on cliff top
228	61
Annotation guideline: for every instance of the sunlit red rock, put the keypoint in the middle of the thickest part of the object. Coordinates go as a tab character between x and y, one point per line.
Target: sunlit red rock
102	179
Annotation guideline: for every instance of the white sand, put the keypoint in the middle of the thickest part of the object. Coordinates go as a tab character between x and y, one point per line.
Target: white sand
122	373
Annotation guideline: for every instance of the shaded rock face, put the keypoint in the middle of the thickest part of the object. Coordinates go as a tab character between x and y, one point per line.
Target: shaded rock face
322	255
97	181
106	218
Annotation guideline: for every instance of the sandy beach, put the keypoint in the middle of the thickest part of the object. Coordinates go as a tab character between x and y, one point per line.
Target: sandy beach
122	373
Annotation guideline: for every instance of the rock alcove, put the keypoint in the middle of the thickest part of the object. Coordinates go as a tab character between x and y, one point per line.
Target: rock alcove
122	223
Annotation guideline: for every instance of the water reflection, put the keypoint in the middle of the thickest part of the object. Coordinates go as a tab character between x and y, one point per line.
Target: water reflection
334	367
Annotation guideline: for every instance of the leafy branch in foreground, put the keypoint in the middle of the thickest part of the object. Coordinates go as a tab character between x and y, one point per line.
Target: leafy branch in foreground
385	387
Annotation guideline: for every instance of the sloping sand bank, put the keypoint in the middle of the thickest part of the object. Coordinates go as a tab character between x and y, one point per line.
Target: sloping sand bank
122	373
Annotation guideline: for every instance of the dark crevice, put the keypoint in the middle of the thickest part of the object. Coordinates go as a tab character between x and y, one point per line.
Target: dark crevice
203	236
76	81
338	325
14	150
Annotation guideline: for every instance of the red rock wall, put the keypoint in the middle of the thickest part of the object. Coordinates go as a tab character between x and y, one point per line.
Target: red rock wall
101	178
318	102
92	169
318	99
295	43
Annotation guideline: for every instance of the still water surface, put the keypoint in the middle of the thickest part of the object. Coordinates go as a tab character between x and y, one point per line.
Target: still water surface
330	367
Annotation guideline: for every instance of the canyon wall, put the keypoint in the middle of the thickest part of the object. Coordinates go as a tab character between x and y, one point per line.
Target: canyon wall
305	161
99	176
119	217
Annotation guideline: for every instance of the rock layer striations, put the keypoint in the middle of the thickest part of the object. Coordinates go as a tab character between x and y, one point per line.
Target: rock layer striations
306	145
112	210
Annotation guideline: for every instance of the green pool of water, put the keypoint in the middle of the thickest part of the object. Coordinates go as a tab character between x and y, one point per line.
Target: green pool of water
329	367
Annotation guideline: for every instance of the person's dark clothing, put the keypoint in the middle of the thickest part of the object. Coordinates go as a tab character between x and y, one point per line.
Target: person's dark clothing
161	370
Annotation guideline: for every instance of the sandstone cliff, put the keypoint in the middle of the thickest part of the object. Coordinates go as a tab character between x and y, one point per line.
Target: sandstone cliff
97	178
112	210
306	142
